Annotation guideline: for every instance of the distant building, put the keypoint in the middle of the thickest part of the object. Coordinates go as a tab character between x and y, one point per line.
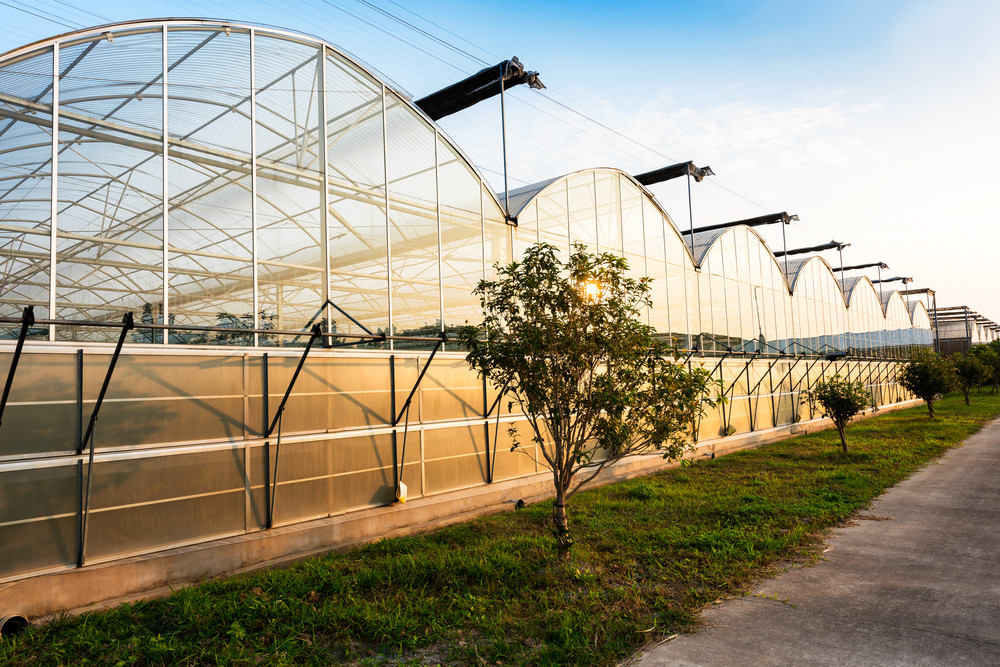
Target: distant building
957	328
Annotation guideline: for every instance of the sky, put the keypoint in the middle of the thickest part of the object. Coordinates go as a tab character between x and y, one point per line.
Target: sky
876	122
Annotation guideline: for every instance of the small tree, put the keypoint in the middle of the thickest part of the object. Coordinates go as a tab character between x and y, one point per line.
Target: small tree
970	371
840	400
565	341
991	360
928	376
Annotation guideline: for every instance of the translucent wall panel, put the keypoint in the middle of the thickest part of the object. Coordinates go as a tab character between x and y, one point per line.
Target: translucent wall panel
25	186
553	217
38	518
110	217
497	235
358	254
210	223
461	238
167	500
526	232
608	203
320	477
413	228
635	253
582	209
289	176
679	307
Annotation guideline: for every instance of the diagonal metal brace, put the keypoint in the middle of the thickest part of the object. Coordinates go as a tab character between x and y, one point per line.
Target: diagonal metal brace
406	404
317	331
272	479
27	321
127	325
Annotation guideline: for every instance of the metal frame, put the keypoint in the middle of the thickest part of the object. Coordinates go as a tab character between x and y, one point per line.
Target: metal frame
88	437
399	462
27	321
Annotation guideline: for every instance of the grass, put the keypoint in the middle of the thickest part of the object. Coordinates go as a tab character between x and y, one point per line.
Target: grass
650	553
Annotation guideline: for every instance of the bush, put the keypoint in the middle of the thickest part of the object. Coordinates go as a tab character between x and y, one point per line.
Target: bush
970	371
928	376
840	400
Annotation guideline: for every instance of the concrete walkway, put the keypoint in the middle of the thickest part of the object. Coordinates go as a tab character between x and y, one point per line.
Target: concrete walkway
916	582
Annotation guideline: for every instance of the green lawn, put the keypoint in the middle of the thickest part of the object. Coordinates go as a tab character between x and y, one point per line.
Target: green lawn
650	553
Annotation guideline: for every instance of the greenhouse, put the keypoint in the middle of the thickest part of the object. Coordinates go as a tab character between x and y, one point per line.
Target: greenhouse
244	252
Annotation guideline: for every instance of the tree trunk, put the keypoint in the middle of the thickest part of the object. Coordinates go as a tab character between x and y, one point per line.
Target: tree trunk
930	408
966	392
843	438
561	525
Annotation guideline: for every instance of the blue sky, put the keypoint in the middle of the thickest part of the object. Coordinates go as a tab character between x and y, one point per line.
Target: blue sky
875	121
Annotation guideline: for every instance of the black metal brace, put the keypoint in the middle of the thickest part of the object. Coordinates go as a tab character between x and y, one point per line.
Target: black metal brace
774	408
27	321
697	422
127	325
397	464
795	387
753	392
491	460
272	480
746	369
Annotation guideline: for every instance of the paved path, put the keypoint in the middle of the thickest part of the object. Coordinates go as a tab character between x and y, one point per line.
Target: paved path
920	587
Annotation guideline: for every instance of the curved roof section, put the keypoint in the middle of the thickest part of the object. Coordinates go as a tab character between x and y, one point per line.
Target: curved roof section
279	33
521	197
704	242
918	311
796	267
849	284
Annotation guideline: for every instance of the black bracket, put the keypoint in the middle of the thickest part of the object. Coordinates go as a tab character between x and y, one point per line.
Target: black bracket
400	462
272	479
127	325
491	458
774	407
27	321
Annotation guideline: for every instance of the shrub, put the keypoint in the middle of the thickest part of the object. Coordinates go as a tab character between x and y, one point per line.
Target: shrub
928	376
840	400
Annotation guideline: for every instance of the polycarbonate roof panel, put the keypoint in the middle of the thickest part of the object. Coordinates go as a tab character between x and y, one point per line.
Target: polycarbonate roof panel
520	197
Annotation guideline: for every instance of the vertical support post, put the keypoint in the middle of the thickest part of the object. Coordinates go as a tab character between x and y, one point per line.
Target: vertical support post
503	139
968	329
437	212
266	405
325	197
54	192
79	395
390	325
690	211
937	331
166	194
486	432
254	250
392	408
784	258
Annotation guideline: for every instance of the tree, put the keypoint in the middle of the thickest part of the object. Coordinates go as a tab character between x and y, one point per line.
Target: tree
970	371
840	400
928	376
991	359
565	342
